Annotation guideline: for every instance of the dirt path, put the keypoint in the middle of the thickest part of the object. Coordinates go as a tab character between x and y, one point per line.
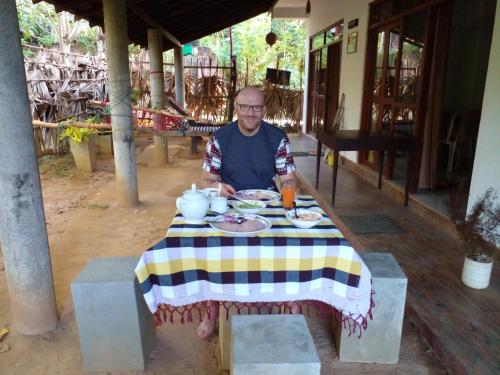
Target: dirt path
84	221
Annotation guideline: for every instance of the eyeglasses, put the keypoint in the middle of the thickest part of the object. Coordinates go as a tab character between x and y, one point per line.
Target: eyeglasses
247	107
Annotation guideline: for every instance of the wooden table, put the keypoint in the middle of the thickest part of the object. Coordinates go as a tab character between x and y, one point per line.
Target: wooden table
356	140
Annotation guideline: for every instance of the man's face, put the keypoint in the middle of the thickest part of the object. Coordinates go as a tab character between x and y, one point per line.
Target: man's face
249	120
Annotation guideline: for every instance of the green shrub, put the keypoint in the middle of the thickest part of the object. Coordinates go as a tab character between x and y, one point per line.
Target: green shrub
78	135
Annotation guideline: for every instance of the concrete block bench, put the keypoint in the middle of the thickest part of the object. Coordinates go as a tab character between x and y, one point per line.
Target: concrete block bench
381	341
272	345
225	331
114	324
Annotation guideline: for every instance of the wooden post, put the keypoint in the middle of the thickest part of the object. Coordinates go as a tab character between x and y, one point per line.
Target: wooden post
232	91
157	89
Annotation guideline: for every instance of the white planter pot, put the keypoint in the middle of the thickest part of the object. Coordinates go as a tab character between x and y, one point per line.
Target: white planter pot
84	154
476	274
105	144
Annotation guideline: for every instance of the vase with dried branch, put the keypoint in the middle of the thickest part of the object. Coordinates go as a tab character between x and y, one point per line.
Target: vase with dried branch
480	235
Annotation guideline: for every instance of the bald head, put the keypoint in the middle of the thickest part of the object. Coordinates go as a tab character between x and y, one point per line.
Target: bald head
249	103
249	91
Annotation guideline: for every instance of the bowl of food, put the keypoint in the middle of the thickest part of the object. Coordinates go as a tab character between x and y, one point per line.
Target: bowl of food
305	218
249	206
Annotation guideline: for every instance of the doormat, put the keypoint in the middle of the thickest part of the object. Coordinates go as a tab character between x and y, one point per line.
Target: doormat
370	224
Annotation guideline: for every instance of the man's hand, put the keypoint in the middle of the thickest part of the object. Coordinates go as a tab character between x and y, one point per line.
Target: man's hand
226	190
209	180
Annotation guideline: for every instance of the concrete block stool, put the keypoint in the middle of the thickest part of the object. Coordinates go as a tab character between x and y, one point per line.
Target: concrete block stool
272	345
381	341
225	330
114	324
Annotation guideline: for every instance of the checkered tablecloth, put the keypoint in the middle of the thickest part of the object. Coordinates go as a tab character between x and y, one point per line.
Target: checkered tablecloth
196	263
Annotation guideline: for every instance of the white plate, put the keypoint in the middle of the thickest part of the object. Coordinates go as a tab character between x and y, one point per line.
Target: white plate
263	220
250	194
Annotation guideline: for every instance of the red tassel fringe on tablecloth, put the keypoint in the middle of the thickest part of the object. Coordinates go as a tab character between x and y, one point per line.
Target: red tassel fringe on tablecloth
182	314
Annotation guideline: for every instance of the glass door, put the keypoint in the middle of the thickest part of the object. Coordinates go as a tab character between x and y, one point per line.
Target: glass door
318	81
392	90
324	77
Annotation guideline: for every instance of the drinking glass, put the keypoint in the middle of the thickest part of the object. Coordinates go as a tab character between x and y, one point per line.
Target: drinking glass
288	194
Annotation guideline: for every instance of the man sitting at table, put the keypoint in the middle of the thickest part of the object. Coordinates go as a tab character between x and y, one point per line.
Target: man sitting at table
246	154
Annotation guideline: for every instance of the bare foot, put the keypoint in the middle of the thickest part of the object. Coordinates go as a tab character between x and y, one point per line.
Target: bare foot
207	325
294	307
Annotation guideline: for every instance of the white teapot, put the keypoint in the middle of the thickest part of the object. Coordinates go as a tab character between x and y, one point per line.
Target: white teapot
193	205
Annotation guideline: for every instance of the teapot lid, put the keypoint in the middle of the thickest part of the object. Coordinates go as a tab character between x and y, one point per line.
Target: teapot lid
193	192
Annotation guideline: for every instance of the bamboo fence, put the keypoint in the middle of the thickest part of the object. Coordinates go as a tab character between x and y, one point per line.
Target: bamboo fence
60	84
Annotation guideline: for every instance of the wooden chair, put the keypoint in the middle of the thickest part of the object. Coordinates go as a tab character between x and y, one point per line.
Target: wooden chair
337	121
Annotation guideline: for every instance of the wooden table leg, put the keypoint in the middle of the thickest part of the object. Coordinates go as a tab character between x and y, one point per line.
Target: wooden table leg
408	176
334	174
194	144
380	168
318	158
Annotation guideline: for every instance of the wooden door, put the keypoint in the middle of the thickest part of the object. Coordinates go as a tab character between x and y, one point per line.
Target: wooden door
396	59
333	83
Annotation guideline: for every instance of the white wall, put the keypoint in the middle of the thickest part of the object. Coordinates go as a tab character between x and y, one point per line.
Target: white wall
486	171
323	14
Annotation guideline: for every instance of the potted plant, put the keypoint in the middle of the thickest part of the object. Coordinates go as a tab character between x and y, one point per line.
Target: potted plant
83	147
104	136
480	234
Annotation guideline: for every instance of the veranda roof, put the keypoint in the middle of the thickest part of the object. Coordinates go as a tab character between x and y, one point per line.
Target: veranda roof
186	20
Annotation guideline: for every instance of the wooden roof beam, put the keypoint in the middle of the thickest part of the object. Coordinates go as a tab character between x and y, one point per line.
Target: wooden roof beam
151	22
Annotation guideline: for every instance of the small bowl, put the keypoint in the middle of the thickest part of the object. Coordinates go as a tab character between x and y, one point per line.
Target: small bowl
240	206
302	223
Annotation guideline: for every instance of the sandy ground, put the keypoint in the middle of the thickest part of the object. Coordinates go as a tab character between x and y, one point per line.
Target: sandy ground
84	221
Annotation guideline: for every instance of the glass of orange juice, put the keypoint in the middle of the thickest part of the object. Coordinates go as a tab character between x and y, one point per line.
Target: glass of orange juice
288	194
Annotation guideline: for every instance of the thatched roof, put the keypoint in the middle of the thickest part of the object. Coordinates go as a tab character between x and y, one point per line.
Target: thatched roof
186	20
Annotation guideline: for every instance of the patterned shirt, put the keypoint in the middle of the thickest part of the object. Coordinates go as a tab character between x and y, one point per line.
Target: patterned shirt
283	158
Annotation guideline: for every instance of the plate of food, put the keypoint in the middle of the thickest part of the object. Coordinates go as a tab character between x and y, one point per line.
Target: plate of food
258	195
241	225
249	206
304	219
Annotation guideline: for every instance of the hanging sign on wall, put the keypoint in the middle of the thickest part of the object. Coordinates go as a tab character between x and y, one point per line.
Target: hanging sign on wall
352	23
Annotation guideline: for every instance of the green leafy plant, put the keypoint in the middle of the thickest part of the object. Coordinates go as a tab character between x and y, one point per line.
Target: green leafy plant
78	135
95	119
480	230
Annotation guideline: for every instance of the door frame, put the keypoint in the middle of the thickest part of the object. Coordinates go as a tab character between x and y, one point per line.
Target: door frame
331	67
420	106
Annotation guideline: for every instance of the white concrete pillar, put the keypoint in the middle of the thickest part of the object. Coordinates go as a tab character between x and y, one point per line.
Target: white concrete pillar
115	27
179	77
23	234
157	89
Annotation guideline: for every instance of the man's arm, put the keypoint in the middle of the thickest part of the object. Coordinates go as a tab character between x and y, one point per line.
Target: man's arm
285	166
289	177
210	174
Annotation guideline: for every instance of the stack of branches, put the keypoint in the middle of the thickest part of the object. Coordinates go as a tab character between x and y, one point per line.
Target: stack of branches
281	103
209	98
189	84
59	85
139	79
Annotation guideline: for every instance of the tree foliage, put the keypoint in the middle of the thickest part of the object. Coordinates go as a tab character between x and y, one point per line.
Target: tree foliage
37	23
250	47
39	27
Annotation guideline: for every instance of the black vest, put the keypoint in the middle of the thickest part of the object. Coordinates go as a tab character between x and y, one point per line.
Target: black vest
248	162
